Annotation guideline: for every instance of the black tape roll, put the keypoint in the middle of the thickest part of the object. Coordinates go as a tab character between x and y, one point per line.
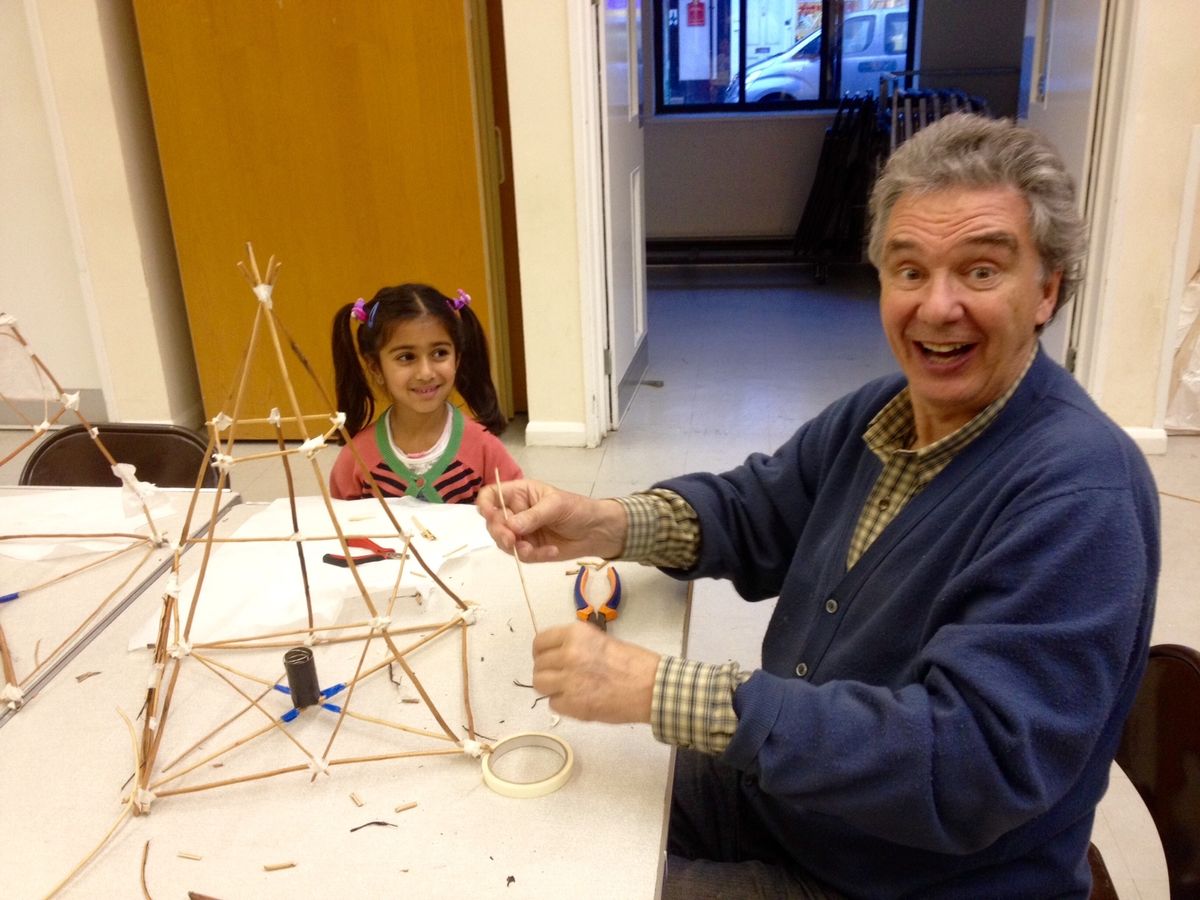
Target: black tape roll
301	671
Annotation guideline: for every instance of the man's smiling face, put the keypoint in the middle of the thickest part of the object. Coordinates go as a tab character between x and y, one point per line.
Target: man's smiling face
962	294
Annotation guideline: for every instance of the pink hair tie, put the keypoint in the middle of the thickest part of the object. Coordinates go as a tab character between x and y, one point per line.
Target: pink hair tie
360	310
461	300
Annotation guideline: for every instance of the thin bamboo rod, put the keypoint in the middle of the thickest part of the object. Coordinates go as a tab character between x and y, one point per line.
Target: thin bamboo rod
95	536
383	757
410	729
345	705
291	489
516	556
245	739
257	776
6	660
103	603
274	720
254	644
228	668
85	567
466	684
245	709
366	597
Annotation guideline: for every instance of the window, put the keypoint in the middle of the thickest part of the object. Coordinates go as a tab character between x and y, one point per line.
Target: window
699	46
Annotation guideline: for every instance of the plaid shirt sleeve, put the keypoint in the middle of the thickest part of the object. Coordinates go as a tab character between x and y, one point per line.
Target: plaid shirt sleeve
663	529
692	705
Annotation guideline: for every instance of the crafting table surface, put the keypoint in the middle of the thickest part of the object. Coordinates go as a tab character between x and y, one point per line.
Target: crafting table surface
67	755
79	584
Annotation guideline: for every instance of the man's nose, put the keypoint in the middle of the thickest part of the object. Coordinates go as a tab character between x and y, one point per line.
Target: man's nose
943	301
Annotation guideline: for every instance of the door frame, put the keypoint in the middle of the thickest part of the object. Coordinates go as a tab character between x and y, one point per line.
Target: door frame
589	216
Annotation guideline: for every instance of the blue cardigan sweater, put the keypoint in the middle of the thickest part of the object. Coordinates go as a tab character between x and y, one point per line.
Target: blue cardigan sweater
962	698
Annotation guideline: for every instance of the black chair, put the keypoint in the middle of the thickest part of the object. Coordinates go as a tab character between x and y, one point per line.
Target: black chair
165	455
1160	752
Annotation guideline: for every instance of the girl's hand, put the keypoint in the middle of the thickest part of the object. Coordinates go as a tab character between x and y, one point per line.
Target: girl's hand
544	524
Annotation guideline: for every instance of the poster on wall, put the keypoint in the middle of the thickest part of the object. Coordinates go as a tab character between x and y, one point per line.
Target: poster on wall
695	41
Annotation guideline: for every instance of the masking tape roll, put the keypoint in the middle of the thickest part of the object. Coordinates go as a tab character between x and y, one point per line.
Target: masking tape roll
524	790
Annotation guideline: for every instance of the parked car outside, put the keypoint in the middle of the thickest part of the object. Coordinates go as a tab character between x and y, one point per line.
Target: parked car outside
873	42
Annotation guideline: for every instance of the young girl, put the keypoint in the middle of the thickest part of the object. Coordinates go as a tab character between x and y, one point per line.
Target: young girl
417	345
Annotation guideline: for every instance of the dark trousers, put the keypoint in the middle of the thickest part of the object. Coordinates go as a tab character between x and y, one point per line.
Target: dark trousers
716	847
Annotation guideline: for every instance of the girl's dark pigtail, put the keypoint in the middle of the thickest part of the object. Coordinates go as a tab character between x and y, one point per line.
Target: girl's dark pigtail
474	378
354	396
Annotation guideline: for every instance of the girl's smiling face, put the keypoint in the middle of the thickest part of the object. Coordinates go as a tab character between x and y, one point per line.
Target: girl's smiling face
417	365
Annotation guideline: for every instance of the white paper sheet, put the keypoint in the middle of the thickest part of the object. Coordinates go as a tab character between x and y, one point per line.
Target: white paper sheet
256	587
74	511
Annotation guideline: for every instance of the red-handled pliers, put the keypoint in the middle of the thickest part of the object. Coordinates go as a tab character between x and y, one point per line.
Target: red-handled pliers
607	611
376	553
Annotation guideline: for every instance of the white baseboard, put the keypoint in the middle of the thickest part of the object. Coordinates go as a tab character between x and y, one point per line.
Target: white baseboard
1152	441
556	434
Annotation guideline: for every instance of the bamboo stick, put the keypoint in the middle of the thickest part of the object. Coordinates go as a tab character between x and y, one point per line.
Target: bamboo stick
291	489
245	709
274	721
103	603
410	729
245	739
349	696
466	684
516	557
6	660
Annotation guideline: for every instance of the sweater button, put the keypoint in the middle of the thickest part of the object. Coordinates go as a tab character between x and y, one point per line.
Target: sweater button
831	605
420	482
802	669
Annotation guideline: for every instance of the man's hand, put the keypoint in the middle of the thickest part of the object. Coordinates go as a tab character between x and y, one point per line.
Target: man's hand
545	524
589	675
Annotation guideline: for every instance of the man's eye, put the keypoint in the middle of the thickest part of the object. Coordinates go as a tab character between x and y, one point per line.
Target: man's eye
983	273
908	273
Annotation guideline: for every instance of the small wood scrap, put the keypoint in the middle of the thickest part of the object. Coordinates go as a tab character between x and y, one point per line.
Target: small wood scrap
145	856
84	676
357	799
425	532
275	867
404	807
374	822
183	854
592	562
652	382
512	879
196	895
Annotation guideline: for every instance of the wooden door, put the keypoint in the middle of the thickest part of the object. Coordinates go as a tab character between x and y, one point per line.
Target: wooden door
339	137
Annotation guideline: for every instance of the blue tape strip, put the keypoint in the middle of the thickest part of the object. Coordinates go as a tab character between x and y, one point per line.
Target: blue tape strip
283	689
333	691
331	707
289	715
13	596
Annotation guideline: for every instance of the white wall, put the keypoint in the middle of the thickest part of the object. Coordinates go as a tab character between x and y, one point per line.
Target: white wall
1159	104
716	176
543	150
90	116
39	281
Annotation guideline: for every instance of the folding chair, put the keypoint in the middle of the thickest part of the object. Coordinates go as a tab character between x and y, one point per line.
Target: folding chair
1160	752
165	455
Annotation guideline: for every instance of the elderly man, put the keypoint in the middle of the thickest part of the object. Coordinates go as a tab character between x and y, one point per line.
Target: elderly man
965	557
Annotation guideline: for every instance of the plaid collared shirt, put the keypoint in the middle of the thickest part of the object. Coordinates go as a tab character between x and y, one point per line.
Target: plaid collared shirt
692	704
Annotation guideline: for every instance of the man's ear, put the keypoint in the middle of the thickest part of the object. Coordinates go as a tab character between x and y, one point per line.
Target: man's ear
1049	298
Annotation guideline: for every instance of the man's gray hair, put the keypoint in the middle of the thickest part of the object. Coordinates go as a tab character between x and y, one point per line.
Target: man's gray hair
964	150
